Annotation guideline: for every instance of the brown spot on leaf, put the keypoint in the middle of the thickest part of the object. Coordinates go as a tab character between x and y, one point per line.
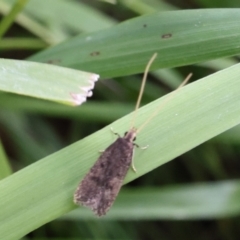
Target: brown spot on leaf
167	35
95	53
53	61
145	25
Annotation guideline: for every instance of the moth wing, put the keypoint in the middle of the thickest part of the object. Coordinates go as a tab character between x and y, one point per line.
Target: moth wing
101	185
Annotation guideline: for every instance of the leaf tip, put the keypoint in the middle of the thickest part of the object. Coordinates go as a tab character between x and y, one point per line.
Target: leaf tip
79	98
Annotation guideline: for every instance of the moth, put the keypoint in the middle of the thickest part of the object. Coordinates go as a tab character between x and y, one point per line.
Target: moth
100	187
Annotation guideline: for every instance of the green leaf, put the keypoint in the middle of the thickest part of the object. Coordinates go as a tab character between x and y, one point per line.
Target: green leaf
179	37
45	81
198	112
179	202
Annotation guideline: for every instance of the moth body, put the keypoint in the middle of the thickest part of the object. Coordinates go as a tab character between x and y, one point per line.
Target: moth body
99	188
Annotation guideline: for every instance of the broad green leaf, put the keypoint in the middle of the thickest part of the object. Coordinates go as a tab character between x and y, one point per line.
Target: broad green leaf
179	37
198	112
46	81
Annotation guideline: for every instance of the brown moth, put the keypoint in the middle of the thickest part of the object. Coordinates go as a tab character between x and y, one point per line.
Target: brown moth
100	187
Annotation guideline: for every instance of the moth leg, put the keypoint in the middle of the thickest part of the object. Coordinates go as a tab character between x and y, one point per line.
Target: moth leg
142	148
132	163
136	145
114	132
101	151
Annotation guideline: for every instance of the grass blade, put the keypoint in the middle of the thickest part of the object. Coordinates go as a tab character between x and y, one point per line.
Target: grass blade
179	202
176	36
198	112
46	81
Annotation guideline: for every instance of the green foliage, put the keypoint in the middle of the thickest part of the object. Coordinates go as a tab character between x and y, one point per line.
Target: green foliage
66	140
46	82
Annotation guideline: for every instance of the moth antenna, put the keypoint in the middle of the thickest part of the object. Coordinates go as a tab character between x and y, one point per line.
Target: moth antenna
164	102
142	87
